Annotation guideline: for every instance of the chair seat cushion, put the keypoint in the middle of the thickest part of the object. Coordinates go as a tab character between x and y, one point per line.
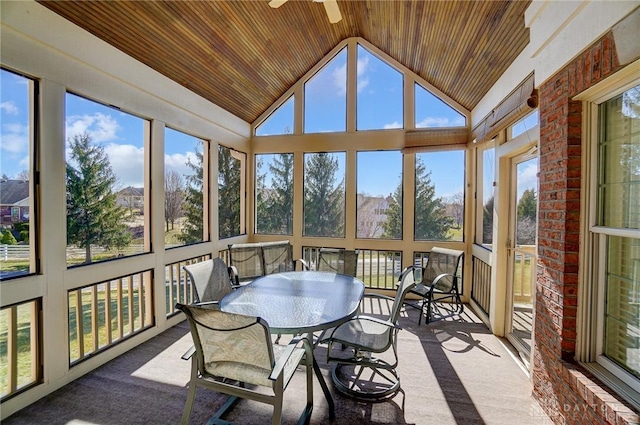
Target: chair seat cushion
255	375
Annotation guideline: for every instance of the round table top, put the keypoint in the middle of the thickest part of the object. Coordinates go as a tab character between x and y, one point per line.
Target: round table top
298	302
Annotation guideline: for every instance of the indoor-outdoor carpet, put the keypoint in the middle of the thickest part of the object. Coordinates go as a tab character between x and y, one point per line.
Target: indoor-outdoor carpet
453	371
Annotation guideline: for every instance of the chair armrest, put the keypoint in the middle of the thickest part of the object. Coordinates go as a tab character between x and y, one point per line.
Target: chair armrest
187	355
233	275
375	320
440	277
305	265
291	347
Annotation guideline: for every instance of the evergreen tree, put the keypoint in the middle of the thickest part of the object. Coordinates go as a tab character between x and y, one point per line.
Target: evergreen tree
487	222
526	219
527	205
193	208
228	194
392	228
431	219
281	200
275	204
93	215
324	197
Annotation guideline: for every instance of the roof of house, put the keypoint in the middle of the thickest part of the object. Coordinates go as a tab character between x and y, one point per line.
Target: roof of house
13	191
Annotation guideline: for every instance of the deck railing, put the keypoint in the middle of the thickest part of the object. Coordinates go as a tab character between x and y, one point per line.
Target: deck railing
105	313
481	284
20	363
179	287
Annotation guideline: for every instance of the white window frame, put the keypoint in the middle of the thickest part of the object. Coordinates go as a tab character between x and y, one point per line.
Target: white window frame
592	293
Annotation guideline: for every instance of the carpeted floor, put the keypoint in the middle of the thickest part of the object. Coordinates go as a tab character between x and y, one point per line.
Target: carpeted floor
453	371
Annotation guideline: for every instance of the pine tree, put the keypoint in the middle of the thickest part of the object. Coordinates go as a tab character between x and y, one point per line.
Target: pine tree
431	219
527	205
324	197
193	208
487	222
392	228
228	193
93	215
281	201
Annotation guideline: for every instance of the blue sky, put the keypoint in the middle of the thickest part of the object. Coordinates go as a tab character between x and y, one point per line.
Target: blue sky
379	94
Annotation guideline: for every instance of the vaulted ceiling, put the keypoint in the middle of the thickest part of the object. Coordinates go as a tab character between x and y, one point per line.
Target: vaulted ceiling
243	55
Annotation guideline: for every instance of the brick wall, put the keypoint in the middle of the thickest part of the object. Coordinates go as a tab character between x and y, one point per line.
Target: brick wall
566	392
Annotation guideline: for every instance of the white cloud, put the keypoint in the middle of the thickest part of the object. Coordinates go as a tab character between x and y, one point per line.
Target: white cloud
430	122
339	76
14	138
178	163
361	69
9	107
127	162
394	124
528	177
100	127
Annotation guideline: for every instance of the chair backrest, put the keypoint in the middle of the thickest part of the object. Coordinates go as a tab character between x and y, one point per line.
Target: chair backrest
442	261
406	282
247	259
338	261
222	338
278	257
210	279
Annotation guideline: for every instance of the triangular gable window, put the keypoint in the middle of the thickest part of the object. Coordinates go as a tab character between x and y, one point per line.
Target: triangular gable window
279	122
325	97
432	112
379	101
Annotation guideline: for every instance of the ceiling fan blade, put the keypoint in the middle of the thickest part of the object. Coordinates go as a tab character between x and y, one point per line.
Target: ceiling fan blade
277	3
333	11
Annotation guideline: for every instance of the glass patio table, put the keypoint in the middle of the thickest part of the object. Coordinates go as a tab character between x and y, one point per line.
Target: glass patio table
299	303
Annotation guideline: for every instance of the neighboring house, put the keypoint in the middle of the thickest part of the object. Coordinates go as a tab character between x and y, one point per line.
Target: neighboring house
131	198
14	202
372	214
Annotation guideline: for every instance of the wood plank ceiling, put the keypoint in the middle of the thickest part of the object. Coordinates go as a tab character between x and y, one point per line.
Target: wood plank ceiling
243	55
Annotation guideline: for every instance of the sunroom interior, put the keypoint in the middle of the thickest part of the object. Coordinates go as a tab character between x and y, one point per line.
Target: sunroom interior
402	127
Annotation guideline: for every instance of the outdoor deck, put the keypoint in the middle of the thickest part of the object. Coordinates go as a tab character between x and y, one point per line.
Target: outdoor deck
453	371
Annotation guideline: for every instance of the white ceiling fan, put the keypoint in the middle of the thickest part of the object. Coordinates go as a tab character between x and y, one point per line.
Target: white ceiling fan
330	6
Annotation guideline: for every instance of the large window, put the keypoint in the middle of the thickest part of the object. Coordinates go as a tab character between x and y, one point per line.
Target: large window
324	194
279	122
106	207
274	194
325	97
379	201
431	112
439	196
17	217
616	235
231	165
186	191
379	93
485	161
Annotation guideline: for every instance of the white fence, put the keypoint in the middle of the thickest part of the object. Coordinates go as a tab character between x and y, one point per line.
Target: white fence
21	252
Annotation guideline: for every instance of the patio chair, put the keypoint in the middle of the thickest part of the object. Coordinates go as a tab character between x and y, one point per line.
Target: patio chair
233	350
338	260
210	279
246	262
439	282
360	370
278	257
